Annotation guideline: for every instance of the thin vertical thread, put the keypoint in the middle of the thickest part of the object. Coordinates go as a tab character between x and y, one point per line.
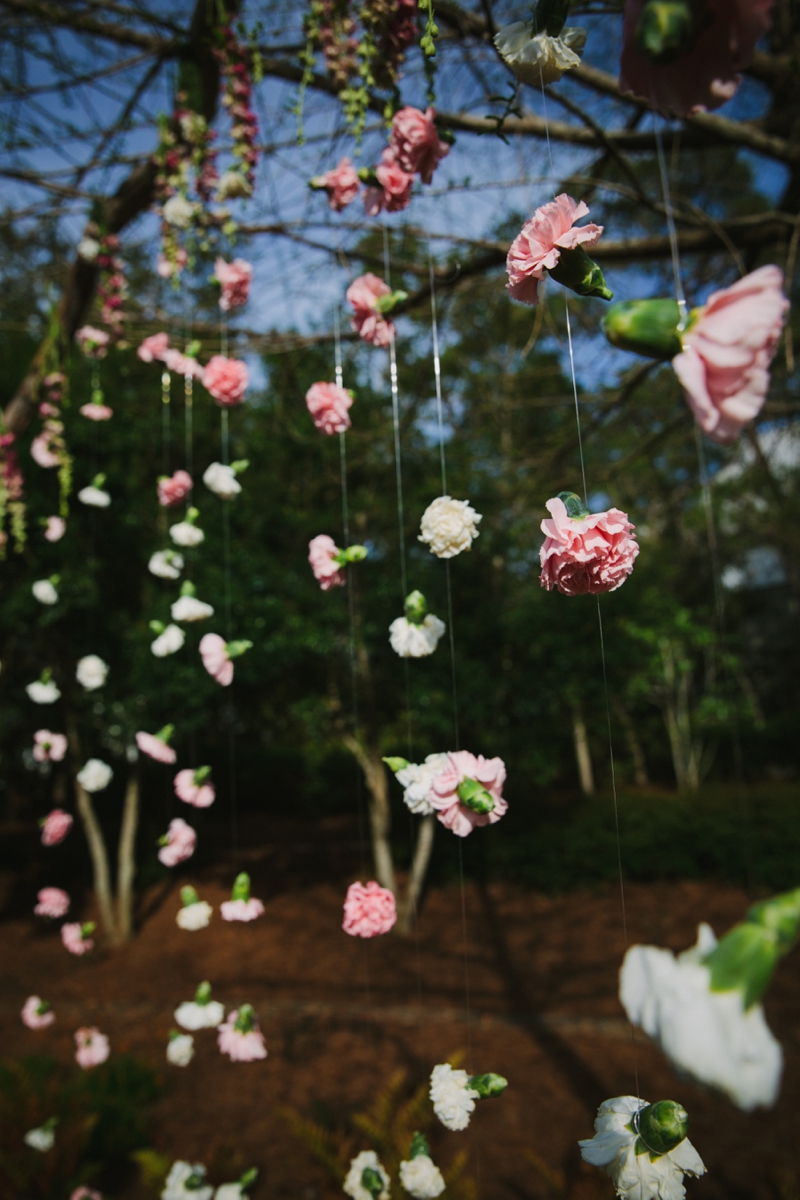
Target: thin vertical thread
437	371
188	432
165	420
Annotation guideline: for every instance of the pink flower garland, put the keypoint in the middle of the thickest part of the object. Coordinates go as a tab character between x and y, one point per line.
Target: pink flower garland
155	747
75	939
368	910
415	144
241	1045
592	554
214	653
342	185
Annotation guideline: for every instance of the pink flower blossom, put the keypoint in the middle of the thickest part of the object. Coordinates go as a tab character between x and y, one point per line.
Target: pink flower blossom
167	268
73	939
49	747
93	1047
96	412
84	1193
234	279
415	142
371	325
240	1046
489	773
328	404
724	365
341	184
593	554
53	902
155	748
55	827
538	244
93	342
394	193
188	789
55	529
173	489
327	571
32	1017
182	364
180	843
707	74
153	348
368	911
226	379
41	452
241	910
214	653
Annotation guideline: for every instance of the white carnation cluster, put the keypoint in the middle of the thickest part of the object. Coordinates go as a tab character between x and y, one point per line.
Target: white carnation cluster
411	640
417	779
421	1178
180	1050
194	916
169	641
95	775
353	1186
193	1016
637	1176
540	59
452	1098
449	526
91	672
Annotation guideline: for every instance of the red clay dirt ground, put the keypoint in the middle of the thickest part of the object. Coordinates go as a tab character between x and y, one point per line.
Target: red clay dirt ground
341	1015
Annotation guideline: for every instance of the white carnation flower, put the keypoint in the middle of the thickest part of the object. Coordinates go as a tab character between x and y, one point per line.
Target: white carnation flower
637	1176
229	1191
180	1050
42	1139
178	212
181	1174
353	1186
453	1100
417	778
91	672
43	693
222	481
189	608
166	564
168	642
88	249
194	916
410	640
421	1177
541	59
233	186
449	526
194	1016
95	497
95	775
186	534
709	1035
44	592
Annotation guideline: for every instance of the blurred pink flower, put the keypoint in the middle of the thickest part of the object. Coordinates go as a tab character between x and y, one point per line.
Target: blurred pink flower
371	325
71	936
707	74
214	653
593	554
96	412
415	142
490	773
226	379
55	529
174	488
368	911
153	348
241	910
724	365
93	1047
155	748
53	902
180	844
538	244
341	184
84	1193
182	364
93	342
327	572
328	404
394	193
200	795
238	1045
167	269
32	1017
41	452
55	827
49	747
234	279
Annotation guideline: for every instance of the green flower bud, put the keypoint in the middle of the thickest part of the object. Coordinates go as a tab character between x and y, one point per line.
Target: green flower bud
195	1181
237	649
240	465
647	327
203	993
248	1178
550	16
165	734
241	887
487	1085
665	30
173	1034
193	349
351	555
372	1181
368	177
576	271
87	929
396	764
98	480
661	1127
42	1008
189	896
246	1019
574	505
419	1146
416	607
747	955
200	776
192	515
385	304
157	626
188	588
473	795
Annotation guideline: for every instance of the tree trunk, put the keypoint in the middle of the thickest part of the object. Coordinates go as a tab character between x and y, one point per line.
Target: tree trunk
371	764
635	750
582	753
126	859
97	849
419	869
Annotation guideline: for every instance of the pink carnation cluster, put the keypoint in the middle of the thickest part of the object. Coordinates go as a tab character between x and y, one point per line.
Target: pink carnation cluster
241	910
341	185
32	1017
490	773
92	342
580	555
328	404
55	529
55	827
111	288
226	379
73	938
368	910
321	554
538	245
234	280
156	348
214	653
200	795
52	902
172	489
392	189
368	323
49	747
181	840
415	143
155	748
238	1045
92	1047
96	412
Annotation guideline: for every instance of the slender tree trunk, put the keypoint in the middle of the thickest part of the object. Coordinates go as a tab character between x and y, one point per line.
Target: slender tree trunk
635	750
371	763
97	849
126	858
419	869
582	753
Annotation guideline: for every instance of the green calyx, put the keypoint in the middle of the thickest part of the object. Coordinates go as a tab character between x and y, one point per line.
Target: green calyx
240	465
576	271
46	675
87	929
416	607
165	734
188	588
246	1019
241	887
192	515
367	176
237	649
189	896
195	1181
193	349
372	1181
43	1007
473	795
98	480
574	505
419	1146
352	554
157	626
746	957
203	993
647	327
385	304
550	16
248	1178
665	31
660	1128
174	1035
396	764
487	1085
200	776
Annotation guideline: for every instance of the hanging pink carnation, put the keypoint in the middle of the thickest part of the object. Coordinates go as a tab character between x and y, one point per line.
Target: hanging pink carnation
93	1047
180	841
234	280
55	529
93	342
394	192
226	379
41	452
415	142
371	325
469	792
724	365
153	348
214	653
241	910
245	1043
707	74
328	404
538	244
190	786
593	554
84	1193
75	939
53	902
368	911
49	747
341	184
174	488
55	827
96	412
155	747
182	364
321	554
36	1014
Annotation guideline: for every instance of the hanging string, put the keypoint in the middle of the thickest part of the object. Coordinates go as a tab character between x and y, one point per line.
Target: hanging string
165	420
396	425
187	423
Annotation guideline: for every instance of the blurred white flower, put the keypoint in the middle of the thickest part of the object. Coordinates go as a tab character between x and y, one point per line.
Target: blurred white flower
417	778
637	1176
168	642
222	481
44	592
194	916
95	775
43	693
189	608
449	526
88	249
452	1097
185	1182
166	564
91	672
95	497
178	212
411	640
42	1139
366	1160
421	1178
194	1016
233	186
186	534
180	1050
541	59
